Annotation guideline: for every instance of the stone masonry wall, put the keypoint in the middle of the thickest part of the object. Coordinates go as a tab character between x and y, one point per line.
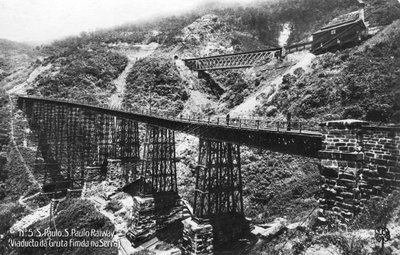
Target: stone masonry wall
357	163
381	168
152	213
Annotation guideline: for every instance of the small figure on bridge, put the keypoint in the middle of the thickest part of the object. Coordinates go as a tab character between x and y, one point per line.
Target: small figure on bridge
103	168
227	119
289	121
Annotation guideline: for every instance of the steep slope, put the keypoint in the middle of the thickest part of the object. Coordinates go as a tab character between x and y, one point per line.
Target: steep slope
16	62
211	92
154	84
270	81
262	90
359	83
133	53
79	72
14	56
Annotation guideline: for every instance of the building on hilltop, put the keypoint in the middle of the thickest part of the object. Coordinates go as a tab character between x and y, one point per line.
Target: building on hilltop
343	31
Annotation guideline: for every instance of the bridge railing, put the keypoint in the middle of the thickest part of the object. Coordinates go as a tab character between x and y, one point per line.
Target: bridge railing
234	122
245	123
298	47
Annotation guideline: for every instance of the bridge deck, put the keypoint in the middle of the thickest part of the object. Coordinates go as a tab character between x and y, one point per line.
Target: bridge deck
252	133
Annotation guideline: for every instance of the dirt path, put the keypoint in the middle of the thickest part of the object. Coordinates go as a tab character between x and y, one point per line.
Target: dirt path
18	85
302	59
133	53
120	83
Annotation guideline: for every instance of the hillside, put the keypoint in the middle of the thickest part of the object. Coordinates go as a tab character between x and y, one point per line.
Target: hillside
90	60
358	83
81	73
14	56
16	62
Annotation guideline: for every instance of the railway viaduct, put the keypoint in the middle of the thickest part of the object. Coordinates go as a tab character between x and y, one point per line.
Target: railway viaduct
77	141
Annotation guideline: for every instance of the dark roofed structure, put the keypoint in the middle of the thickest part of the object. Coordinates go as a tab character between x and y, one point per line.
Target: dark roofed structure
343	31
343	19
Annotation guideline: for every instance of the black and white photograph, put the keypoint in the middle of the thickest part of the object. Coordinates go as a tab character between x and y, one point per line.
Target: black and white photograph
201	127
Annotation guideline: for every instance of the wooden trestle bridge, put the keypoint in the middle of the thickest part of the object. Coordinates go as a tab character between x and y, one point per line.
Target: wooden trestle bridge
242	59
76	140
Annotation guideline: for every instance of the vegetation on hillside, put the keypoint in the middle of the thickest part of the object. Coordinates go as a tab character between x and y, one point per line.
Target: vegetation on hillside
262	20
277	185
236	87
80	74
346	84
4	133
15	56
155	82
10	212
378	212
381	12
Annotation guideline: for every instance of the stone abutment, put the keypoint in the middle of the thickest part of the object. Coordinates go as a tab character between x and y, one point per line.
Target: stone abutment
359	161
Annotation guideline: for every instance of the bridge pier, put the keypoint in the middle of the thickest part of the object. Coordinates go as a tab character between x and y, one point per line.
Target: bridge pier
157	205
58	160
122	164
218	201
358	162
75	144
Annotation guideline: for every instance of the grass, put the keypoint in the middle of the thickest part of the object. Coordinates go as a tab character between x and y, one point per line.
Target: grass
378	212
9	214
114	205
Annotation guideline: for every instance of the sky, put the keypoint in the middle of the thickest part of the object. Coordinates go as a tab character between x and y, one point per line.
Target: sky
45	20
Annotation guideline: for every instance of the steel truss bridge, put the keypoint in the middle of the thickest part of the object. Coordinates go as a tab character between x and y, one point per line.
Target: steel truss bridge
243	59
75	141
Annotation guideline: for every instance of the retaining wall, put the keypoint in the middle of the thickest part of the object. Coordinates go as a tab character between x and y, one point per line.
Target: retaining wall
358	162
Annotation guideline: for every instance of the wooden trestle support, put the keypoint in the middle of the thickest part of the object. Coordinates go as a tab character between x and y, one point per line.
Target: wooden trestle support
218	200
75	144
158	204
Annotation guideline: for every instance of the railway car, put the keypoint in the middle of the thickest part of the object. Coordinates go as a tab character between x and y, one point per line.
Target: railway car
344	31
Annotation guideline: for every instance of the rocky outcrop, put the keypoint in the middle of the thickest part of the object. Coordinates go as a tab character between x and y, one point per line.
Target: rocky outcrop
152	213
208	35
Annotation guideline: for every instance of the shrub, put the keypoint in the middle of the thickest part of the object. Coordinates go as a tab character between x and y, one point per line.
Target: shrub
379	113
377	212
155	81
361	85
352	246
84	74
114	205
9	214
353	112
299	72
